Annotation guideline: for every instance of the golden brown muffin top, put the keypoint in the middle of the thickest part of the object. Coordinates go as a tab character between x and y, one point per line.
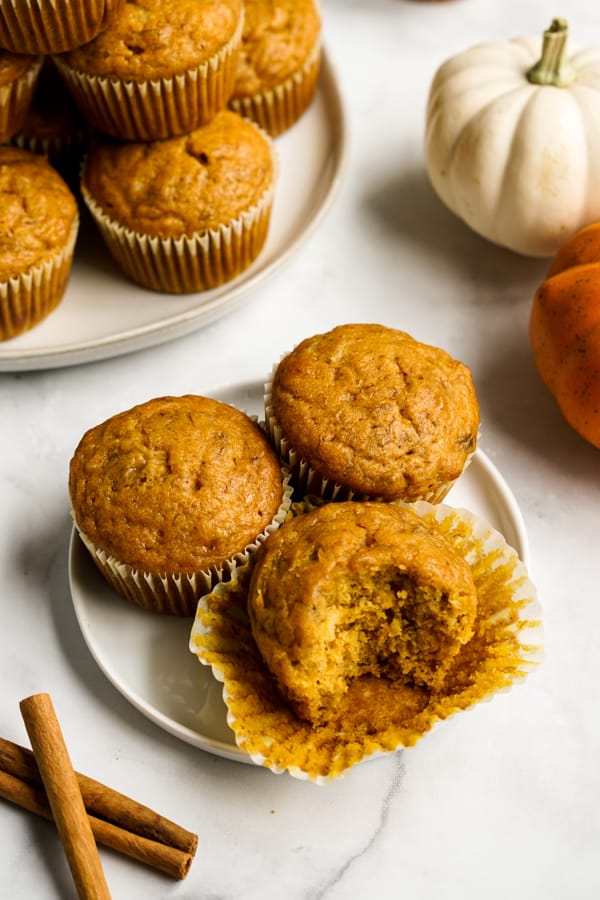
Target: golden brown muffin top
377	411
38	211
176	484
183	185
153	39
13	65
358	589
278	37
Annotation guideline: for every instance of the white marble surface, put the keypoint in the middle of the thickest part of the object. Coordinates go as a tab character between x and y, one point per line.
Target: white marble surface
500	802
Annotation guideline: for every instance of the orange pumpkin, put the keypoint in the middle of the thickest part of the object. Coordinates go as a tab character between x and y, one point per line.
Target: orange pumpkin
564	331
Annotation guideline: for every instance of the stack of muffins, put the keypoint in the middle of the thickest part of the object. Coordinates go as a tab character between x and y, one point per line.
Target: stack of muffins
344	620
175	104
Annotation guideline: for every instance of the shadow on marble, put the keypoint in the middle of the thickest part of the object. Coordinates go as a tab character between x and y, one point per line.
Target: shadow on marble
42	835
516	401
406	205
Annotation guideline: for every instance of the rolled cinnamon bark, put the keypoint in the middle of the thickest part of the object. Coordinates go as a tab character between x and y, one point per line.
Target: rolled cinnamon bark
162	857
101	800
64	797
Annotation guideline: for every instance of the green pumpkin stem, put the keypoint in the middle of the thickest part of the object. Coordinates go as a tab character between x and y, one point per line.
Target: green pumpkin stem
553	68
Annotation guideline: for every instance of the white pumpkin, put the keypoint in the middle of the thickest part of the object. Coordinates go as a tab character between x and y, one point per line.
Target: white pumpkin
513	148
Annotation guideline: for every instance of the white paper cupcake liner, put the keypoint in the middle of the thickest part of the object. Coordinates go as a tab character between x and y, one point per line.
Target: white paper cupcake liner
155	109
310	483
506	647
15	98
278	108
27	299
191	263
177	594
53	26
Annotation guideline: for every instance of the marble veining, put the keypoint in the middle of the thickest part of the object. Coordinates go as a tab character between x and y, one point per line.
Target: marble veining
503	801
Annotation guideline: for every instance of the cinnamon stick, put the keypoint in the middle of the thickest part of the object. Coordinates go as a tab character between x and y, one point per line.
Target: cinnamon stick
162	857
104	802
64	797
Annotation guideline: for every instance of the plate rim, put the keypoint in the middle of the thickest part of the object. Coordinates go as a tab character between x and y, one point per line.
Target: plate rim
169	328
183	732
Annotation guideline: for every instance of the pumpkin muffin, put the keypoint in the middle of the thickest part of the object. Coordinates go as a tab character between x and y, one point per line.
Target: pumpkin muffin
189	213
159	70
171	495
365	411
53	126
357	589
53	26
278	63
18	77
38	230
369	686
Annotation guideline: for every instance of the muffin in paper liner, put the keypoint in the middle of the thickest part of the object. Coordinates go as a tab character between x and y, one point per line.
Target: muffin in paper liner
188	263
277	109
376	715
310	483
28	298
177	594
53	26
15	98
155	109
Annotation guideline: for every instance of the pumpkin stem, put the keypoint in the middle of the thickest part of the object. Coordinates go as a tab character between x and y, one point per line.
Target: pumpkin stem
553	68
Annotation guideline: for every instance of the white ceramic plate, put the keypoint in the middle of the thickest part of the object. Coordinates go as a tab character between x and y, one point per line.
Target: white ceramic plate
103	314
146	657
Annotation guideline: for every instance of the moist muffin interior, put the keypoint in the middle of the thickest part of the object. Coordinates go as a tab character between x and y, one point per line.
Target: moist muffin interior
354	590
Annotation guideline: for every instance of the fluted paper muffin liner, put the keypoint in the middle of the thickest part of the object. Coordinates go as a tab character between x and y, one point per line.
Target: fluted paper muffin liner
177	594
64	152
15	98
26	299
377	715
155	109
53	26
188	263
278	108
310	483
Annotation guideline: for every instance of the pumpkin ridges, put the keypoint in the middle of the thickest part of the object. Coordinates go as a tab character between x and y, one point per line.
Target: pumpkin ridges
565	307
577	386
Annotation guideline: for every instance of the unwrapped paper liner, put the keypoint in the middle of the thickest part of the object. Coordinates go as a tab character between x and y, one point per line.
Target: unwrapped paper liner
376	715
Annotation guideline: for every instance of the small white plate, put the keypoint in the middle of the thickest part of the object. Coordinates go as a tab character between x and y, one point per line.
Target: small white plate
103	314
146	656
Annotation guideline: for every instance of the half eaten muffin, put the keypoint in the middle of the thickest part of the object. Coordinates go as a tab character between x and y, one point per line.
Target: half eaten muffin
339	646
